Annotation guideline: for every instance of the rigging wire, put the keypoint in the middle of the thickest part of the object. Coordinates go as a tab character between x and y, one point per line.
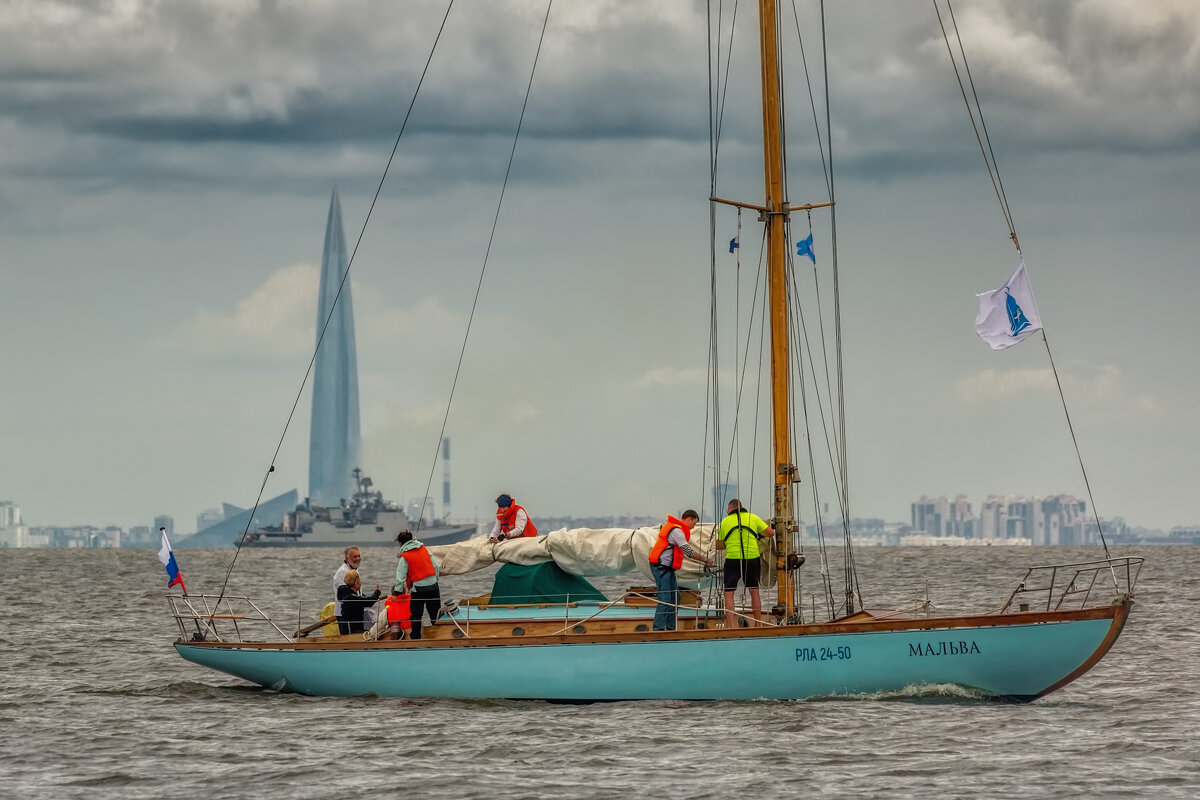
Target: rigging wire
737	398
826	168
734	450
804	347
983	124
718	91
812	100
717	98
333	306
712	233
712	401
852	585
762	347
487	253
993	169
724	93
836	437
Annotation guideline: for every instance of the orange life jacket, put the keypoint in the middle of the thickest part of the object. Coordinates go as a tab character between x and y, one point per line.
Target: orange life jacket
677	557
398	609
508	520
420	565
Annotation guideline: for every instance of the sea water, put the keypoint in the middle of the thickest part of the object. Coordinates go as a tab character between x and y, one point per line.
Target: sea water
94	701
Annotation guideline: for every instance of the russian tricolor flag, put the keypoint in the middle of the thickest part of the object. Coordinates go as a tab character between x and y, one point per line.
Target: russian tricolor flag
167	557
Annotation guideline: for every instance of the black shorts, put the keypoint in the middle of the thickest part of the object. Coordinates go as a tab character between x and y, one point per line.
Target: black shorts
744	569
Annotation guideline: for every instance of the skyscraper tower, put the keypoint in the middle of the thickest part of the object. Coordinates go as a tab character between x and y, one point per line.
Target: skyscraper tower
722	494
334	438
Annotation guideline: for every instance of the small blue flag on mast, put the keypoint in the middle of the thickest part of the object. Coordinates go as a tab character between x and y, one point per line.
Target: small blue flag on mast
734	244
804	247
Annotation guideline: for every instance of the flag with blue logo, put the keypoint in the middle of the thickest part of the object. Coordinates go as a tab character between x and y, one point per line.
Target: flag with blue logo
734	244
167	557
1009	314
804	247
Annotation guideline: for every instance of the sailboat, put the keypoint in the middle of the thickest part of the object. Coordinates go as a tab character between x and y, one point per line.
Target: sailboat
567	644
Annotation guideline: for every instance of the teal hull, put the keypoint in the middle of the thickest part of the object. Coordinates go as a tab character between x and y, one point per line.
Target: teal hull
1013	657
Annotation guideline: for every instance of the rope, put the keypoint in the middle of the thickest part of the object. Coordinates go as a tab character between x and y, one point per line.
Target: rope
483	269
718	123
333	306
993	169
741	374
1087	484
803	348
713	135
717	98
799	330
812	100
983	124
853	587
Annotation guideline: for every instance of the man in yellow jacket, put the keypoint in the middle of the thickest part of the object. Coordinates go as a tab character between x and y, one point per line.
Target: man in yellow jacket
739	534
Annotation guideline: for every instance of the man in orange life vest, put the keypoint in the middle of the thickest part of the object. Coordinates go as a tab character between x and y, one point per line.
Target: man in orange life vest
512	521
666	556
417	575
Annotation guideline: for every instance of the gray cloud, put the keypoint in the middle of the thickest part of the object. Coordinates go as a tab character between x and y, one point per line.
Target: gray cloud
126	81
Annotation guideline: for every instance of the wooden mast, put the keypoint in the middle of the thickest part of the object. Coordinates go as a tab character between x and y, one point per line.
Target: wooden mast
775	216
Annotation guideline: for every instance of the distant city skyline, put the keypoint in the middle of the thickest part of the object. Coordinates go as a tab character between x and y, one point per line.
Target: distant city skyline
1039	521
1042	520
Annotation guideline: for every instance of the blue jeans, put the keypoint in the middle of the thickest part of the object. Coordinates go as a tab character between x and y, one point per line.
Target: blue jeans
667	595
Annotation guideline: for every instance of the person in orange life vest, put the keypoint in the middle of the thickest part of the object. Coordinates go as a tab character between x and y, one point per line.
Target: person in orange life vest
396	620
666	556
354	603
512	521
398	608
417	574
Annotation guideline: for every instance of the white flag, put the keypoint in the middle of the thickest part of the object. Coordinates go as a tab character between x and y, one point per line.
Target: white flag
1009	314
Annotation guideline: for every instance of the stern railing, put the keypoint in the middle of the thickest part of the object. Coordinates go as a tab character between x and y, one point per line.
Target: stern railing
1073	585
216	618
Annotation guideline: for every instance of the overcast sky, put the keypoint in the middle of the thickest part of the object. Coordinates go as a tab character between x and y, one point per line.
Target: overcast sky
165	173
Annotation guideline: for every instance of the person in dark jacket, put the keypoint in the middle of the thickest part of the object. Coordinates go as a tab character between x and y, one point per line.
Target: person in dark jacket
354	603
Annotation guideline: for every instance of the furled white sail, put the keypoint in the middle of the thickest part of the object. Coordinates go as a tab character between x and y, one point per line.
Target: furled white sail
588	552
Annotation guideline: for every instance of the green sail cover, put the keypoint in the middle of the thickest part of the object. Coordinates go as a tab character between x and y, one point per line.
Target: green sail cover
540	583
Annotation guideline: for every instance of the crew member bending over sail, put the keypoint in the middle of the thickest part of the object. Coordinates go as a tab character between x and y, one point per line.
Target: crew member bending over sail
665	558
512	521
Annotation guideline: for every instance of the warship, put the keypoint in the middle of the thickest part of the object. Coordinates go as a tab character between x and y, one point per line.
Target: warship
366	519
